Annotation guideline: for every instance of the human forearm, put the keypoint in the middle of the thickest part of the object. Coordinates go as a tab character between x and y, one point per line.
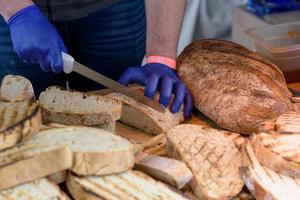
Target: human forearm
10	7
164	19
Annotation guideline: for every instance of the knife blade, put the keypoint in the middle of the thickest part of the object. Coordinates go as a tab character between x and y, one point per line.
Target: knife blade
71	65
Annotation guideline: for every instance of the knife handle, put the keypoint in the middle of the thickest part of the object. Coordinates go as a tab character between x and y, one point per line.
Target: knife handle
68	62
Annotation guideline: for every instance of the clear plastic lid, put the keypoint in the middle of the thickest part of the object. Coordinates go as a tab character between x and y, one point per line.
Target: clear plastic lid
278	40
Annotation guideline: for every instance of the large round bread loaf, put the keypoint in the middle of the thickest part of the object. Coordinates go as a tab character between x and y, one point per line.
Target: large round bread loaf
233	86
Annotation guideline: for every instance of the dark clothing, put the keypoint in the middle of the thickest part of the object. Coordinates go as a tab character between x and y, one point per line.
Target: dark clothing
108	41
71	9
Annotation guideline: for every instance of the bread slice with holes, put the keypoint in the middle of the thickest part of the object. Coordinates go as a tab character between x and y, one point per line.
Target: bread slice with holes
40	189
16	88
78	108
145	118
212	157
279	152
18	122
265	183
27	162
129	185
95	151
171	171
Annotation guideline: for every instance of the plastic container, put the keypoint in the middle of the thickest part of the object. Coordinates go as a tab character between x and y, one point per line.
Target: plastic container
281	45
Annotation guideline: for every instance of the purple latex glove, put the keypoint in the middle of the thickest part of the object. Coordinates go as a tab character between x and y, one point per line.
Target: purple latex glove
36	40
157	75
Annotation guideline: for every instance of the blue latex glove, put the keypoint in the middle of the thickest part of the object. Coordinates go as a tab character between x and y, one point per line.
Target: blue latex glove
156	75
36	40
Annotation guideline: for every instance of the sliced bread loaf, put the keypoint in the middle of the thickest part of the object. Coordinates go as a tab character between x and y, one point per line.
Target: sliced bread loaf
288	123
213	159
168	170
95	151
266	184
77	108
27	162
18	121
132	185
16	88
145	118
41	189
279	152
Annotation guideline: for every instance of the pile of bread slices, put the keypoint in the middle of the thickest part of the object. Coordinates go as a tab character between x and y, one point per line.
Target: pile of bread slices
64	146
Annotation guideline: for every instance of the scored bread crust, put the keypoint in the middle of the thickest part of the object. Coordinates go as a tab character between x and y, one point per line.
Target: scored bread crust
145	118
117	157
264	183
288	165
213	158
66	115
22	129
20	164
235	87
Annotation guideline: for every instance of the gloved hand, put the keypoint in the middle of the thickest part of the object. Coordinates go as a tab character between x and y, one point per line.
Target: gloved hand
36	40
157	75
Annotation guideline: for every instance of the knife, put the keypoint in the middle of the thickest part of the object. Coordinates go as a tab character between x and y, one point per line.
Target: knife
70	65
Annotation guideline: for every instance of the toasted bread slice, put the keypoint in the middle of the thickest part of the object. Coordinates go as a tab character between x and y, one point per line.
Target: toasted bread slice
288	123
95	151
18	121
264	183
41	189
129	185
279	152
77	108
27	162
212	157
168	170
145	118
156	145
16	88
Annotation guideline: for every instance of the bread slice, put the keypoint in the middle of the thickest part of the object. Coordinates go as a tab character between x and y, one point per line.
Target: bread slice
168	170
27	162
264	183
18	121
129	185
77	108
41	189
16	88
288	123
213	159
156	146
145	118
279	152
95	151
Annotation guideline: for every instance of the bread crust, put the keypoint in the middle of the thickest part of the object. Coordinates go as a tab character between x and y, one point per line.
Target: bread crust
233	86
274	160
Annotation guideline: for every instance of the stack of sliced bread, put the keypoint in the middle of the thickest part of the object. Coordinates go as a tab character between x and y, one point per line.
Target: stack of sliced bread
20	115
265	183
